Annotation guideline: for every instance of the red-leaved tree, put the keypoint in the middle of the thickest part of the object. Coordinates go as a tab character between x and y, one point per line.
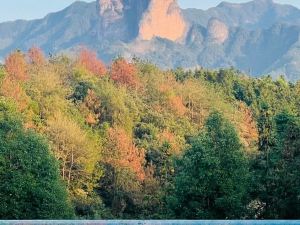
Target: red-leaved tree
88	60
16	66
125	73
36	56
123	154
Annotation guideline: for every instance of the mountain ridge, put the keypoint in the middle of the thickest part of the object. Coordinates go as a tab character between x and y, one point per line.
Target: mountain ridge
260	36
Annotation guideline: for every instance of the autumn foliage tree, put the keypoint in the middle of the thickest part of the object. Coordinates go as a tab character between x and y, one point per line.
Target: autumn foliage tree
125	73
177	105
145	143
93	104
124	154
36	56
16	66
124	171
11	89
88	60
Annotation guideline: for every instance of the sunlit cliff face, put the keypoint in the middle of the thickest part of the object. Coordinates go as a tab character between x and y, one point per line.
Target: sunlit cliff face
162	19
147	18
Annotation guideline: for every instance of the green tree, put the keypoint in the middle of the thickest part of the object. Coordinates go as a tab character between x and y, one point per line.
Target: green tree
30	186
212	176
278	170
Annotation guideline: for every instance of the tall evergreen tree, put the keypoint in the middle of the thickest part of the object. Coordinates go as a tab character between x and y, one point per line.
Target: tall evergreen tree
278	170
212	176
30	186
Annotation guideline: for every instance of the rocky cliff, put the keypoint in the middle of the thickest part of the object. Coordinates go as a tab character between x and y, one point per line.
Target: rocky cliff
142	19
119	19
217	31
162	19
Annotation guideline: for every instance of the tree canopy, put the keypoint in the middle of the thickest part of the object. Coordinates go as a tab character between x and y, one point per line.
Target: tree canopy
30	183
128	140
212	178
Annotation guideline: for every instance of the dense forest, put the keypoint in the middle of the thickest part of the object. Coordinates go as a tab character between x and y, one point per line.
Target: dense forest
81	139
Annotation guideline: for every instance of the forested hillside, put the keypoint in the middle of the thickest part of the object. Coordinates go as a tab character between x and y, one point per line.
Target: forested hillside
81	139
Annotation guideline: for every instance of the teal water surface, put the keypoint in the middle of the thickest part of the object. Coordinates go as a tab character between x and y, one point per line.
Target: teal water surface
149	222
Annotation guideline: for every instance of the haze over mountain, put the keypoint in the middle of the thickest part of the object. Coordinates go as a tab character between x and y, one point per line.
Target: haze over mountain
258	37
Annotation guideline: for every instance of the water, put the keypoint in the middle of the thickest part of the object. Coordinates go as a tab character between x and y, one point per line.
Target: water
150	222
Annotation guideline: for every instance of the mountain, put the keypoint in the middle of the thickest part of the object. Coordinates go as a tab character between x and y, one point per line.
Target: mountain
258	37
251	15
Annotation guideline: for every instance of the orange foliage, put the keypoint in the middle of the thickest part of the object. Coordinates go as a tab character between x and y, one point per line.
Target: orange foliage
170	138
125	73
164	88
124	154
90	119
12	89
177	105
16	66
92	102
29	125
167	86
248	129
93	105
36	56
88	60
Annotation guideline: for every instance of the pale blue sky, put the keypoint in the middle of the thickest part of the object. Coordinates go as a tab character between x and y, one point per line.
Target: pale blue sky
30	9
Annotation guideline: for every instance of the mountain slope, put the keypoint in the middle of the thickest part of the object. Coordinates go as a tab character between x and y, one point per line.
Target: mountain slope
56	31
251	15
259	37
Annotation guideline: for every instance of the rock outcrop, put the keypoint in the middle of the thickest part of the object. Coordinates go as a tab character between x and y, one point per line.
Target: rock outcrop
119	19
110	10
142	19
217	31
162	19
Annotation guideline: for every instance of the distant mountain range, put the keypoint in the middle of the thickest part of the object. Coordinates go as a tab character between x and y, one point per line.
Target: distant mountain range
258	37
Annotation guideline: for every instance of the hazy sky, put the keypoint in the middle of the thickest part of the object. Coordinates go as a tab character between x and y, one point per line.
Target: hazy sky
29	9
